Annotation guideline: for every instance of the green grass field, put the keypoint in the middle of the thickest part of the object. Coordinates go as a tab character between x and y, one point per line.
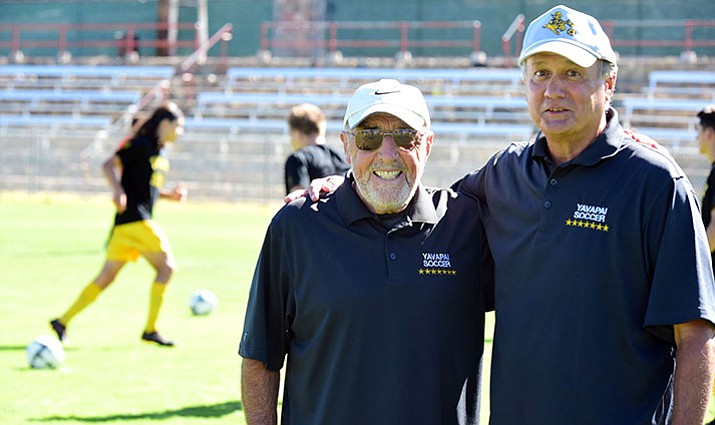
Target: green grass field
51	246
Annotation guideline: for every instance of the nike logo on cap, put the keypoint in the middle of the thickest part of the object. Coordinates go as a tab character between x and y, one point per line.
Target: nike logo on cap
379	92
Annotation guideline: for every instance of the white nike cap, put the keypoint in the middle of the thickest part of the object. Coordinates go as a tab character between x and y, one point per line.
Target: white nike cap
390	96
567	32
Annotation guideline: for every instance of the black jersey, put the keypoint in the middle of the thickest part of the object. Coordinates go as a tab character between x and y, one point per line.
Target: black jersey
144	169
709	200
312	162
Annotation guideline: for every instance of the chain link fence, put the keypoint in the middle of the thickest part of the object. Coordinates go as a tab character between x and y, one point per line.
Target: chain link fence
223	166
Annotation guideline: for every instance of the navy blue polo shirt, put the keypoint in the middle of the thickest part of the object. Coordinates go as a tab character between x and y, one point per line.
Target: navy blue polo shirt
379	325
595	260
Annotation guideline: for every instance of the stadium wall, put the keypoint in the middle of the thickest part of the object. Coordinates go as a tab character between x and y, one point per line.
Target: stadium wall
246	16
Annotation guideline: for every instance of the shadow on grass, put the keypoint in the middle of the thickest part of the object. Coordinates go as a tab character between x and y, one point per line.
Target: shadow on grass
13	347
204	411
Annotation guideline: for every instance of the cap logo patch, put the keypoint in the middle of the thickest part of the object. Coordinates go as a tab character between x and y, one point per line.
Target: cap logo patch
557	24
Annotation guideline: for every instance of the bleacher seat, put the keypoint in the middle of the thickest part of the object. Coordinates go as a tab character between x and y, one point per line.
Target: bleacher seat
75	101
479	109
663	113
671	122
454	131
80	76
345	80
54	121
694	84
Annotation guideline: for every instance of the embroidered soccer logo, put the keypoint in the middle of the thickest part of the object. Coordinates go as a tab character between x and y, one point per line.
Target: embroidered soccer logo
557	24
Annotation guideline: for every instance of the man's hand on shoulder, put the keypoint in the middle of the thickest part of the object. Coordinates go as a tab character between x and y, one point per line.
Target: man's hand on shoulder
316	187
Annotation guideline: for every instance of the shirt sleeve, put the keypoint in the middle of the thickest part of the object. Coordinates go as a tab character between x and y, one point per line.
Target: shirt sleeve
471	184
296	173
265	332
682	285
127	152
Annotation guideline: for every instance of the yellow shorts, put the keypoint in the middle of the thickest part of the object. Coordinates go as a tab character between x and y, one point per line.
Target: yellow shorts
128	241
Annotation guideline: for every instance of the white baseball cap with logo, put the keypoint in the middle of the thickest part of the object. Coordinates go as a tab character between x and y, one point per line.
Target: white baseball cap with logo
569	33
390	96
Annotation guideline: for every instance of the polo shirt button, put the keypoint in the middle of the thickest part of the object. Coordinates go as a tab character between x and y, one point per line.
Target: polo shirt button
553	182
547	204
393	256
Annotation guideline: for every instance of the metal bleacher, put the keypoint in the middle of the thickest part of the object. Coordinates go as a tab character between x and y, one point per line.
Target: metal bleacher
674	114
505	82
480	109
57	121
76	102
465	103
691	84
100	77
667	110
236	135
72	96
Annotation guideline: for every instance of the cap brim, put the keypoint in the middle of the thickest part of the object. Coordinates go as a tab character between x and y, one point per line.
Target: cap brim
575	54
410	118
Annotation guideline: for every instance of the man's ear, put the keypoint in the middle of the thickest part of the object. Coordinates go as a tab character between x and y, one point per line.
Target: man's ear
610	83
344	139
429	140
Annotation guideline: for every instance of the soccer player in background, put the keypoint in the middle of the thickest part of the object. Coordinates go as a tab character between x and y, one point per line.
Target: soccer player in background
311	157
136	174
706	142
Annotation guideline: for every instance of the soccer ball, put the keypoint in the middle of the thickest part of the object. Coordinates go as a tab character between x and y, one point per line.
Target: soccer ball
45	352
202	302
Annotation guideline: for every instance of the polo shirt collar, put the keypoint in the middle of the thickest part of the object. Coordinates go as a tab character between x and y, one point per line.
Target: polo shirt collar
605	145
351	208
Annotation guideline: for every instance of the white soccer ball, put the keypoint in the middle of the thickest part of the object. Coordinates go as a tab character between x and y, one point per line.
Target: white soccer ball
202	302
45	352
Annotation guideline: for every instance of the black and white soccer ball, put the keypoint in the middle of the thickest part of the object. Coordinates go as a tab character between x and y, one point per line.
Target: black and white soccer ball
45	352
203	302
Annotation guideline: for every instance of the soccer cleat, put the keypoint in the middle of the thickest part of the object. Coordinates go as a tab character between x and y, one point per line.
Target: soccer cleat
156	338
60	329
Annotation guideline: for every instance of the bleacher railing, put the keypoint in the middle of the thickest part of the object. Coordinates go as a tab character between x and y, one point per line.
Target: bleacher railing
350	38
389	37
516	29
96	38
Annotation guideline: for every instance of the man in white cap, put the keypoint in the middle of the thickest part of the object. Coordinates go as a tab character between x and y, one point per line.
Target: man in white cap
602	268
373	293
604	293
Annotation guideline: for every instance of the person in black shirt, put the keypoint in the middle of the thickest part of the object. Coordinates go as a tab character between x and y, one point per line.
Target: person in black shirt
312	158
372	299
706	140
136	173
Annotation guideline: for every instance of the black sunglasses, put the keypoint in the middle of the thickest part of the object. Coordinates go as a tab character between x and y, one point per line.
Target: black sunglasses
370	139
